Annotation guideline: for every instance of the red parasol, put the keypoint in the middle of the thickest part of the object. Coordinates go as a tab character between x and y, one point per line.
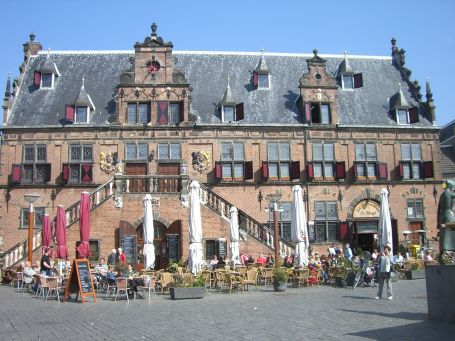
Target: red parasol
60	233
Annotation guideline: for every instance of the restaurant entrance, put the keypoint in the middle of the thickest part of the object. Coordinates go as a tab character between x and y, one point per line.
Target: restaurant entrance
159	233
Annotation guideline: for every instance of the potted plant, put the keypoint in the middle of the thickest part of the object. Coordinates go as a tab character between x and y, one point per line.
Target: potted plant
414	271
193	289
280	280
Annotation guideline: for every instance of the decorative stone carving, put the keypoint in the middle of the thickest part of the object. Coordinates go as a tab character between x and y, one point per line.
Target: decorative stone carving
118	201
201	161
107	162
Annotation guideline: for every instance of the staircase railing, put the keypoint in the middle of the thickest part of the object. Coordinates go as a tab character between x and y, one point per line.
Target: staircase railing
246	223
19	251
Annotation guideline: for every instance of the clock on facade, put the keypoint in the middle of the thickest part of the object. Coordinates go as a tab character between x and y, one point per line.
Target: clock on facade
153	67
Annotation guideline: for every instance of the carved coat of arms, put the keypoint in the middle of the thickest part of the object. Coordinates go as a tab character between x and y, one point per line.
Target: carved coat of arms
107	162
201	161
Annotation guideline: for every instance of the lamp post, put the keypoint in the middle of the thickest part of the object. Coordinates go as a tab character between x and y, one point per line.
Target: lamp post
274	200
30	198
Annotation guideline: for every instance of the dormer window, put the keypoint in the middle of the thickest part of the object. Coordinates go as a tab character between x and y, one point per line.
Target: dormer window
406	116
82	115
263	81
261	74
350	81
317	112
231	113
47	80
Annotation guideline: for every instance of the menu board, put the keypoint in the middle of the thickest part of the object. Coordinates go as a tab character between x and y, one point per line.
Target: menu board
129	247
80	280
172	246
222	248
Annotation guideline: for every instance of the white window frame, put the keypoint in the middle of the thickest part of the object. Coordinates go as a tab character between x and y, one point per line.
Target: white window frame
76	116
268	81
342	81
223	116
398	117
41	86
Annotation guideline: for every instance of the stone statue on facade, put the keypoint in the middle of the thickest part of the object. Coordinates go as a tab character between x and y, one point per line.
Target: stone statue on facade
446	218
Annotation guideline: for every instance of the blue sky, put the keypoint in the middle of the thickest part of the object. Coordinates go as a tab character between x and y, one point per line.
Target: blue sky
426	30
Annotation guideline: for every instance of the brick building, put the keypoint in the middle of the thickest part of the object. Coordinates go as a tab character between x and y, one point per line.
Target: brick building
244	125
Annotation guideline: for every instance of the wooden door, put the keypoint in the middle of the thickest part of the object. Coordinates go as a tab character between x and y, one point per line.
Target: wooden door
136	184
169	185
414	237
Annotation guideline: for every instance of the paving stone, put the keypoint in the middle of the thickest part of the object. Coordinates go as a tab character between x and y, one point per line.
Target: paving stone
317	313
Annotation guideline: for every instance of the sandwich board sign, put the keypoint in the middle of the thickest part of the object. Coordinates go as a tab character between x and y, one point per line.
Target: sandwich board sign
80	281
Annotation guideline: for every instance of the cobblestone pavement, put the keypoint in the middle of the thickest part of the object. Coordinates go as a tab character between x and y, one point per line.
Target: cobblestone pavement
317	313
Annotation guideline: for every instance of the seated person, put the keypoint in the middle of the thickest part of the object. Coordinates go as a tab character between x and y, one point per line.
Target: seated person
101	268
261	260
133	282
214	263
398	259
28	273
110	275
270	260
244	258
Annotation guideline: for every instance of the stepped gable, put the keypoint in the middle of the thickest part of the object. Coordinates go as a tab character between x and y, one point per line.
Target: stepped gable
207	73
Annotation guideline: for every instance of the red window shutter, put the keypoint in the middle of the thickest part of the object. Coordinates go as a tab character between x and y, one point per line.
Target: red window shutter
162	112
358	80
382	170
413	115
307	112
47	177
218	170
255	79
87	174
340	170
16	173
295	170
310	170
344	231
65	172
265	169
248	170
428	171
37	78
401	170
239	113
69	113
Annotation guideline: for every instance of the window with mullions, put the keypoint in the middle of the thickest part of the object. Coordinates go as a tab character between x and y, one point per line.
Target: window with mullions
326	221
169	112
232	157
169	151
279	158
317	112
138	113
34	166
284	219
136	151
366	160
323	160
415	208
79	168
39	214
411	162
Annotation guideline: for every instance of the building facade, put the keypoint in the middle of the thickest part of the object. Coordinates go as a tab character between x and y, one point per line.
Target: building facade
447	143
121	124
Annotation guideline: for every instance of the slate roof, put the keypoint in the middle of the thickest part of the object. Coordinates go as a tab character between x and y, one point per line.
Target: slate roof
207	73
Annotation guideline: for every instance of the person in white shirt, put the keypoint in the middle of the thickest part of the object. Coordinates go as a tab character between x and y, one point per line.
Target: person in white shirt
398	259
385	267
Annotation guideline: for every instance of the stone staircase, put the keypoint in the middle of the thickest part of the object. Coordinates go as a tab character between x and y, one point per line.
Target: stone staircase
248	225
154	184
19	251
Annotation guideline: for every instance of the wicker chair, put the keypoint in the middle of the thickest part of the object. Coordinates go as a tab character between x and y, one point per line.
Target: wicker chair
251	278
122	285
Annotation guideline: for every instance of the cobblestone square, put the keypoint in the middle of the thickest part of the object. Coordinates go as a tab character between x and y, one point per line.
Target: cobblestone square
315	313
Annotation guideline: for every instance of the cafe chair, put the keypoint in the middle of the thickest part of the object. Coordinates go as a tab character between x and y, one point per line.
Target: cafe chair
43	285
148	287
53	286
18	281
166	281
251	278
122	286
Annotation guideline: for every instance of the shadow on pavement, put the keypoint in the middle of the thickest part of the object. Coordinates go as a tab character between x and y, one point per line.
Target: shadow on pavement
425	330
405	315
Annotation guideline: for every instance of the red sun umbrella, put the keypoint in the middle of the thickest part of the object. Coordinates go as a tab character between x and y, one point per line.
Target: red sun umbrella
60	233
46	236
83	250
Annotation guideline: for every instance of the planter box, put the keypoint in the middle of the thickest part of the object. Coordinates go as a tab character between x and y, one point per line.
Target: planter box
280	286
415	274
440	281
187	293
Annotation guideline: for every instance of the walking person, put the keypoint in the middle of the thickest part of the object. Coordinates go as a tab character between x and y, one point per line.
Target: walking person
385	267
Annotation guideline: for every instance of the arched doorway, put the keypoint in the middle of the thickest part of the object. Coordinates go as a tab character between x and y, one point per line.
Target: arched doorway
366	217
159	238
